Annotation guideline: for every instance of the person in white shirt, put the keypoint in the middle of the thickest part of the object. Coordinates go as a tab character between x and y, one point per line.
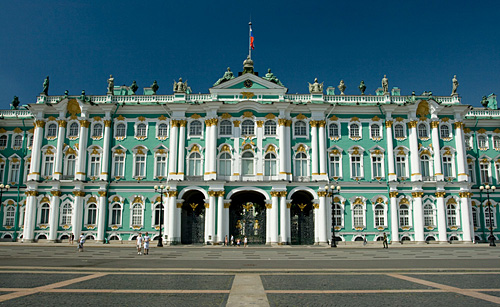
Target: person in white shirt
146	244
80	242
139	244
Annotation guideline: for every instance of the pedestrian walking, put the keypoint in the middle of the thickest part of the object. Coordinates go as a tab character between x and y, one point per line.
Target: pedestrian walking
364	240
385	241
80	242
146	244
232	240
238	242
139	244
225	241
245	242
71	238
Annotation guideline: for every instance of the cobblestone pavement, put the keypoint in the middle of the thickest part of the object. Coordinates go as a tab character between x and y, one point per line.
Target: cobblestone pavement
216	276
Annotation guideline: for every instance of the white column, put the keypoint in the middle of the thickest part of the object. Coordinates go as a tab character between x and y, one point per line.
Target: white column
101	222
288	155
77	213
81	173
282	148
34	173
283	219
315	204
390	154
322	150
105	150
322	210
269	208
177	220
182	149
394	217
207	219
437	151
208	149
29	216
54	215
461	161
314	149
441	216
165	201
274	217
225	221
61	135
418	216
213	149
172	156
465	211
287	219
236	144
172	204
415	159
220	217
210	235
260	160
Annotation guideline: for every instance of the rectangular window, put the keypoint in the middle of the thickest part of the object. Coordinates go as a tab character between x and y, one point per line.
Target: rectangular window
355	166
140	166
484	171
95	166
447	171
376	166
335	166
161	166
119	163
270	167
14	172
401	166
49	166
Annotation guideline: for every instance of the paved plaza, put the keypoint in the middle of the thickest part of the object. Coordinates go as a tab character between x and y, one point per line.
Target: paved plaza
50	275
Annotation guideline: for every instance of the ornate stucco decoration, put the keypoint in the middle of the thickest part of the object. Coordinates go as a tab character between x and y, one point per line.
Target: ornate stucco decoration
162	117
301	117
248	114
270	116
358	201
195	116
226	116
225	148
73	107
355	119
247	95
423	109
334	118
141	118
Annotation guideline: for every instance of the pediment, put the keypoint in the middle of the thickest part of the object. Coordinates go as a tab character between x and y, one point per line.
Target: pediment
248	83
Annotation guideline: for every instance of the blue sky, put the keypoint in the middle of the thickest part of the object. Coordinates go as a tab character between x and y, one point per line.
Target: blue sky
419	45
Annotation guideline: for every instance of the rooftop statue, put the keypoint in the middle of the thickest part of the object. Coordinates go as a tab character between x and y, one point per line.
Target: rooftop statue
316	87
154	87
134	87
454	81
180	87
228	75
342	87
271	77
247	66
111	85
385	84
362	87
46	86
15	103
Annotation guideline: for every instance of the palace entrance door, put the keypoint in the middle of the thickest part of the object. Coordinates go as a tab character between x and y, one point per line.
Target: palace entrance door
193	218
302	219
247	217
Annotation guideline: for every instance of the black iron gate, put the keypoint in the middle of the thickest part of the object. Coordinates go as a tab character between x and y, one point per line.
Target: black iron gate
302	224
248	220
193	224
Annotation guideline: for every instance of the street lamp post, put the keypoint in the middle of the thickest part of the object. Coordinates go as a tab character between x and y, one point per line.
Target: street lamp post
333	190
3	188
487	189
160	189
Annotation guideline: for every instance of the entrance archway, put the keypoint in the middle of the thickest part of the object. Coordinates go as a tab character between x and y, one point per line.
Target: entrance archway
193	218
302	219
247	217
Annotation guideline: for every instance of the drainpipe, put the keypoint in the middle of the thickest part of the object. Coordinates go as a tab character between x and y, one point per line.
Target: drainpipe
21	177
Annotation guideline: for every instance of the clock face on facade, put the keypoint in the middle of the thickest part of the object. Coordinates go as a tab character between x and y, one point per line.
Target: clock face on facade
248	83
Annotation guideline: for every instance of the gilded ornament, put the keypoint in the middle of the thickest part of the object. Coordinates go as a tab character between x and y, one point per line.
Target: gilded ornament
399	119
18	130
417	194
247	114
120	117
412	124
301	148
260	123
282	121
358	201
274	193
73	107
322	193
226	116
300	116
45	199
84	123
270	148
312	123
375	118
56	193
388	123
270	116
355	119
207	205
102	193
162	117
458	125
172	193
247	95
440	194
236	123
39	124
423	108
196	116
92	199
445	119
334	118
404	201
225	148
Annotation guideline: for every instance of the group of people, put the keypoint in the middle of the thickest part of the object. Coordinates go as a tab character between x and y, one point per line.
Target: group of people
143	242
237	242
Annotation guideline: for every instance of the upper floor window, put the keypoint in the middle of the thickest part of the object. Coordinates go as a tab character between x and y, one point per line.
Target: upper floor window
225	164
247	163
120	130
69	170
335	165
422	131
333	130
225	127
300	128
496	142
356	166
270	127
451	215
376	166
44	214
92	214
18	141
445	131
97	131
270	164
301	164
447	166
14	172
194	164
3	141
468	141
375	131
52	130
118	165
484	171
404	216
73	129
195	128
429	215
399	131
116	214
355	132
247	127
140	166
141	130
401	166
482	142
162	130
161	166
94	166
358	216
66	213
425	166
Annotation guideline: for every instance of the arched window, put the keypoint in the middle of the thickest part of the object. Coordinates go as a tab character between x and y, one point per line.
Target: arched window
375	131
225	164
247	163
158	215
300	128
358	216
475	217
377	166
69	170
73	130
3	141
137	215
161	165
334	165
92	214
66	214
30	140
162	130
496	142
451	215
399	131
225	127
10	214
429	215
95	166
270	164
116	214
445	131
14	171
489	214
195	128
52	130
18	141
97	131
356	166
447	166
140	165
354	133
194	164
48	165
301	164
121	129
270	127
339	215
333	130
400	166
404	216
484	171
422	131
247	127
141	130
118	165
379	215
425	166
44	214
482	141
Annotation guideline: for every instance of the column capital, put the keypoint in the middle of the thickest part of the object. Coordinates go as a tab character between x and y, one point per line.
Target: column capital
84	123
39	124
62	123
172	193
440	194
434	124
107	123
313	123
459	125
274	193
388	123
269	206
212	193
182	123
417	194
393	194
260	123
412	124
207	205
31	193
322	193
282	121
102	193
56	193
79	193
465	194
321	123
236	123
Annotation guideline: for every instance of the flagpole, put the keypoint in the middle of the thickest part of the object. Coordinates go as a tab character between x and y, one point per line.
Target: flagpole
250	39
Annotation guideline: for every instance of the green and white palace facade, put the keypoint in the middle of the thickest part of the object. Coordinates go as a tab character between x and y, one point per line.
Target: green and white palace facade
249	159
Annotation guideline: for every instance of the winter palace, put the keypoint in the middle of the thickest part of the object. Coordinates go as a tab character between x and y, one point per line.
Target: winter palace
247	159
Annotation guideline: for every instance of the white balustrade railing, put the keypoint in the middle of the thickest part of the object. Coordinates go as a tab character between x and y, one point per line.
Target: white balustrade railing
15	113
483	113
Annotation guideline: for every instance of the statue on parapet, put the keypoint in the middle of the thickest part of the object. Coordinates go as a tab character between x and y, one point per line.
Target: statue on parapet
228	75
15	103
46	86
180	87
315	87
385	84
154	87
272	78
342	87
134	87
454	82
362	87
111	85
